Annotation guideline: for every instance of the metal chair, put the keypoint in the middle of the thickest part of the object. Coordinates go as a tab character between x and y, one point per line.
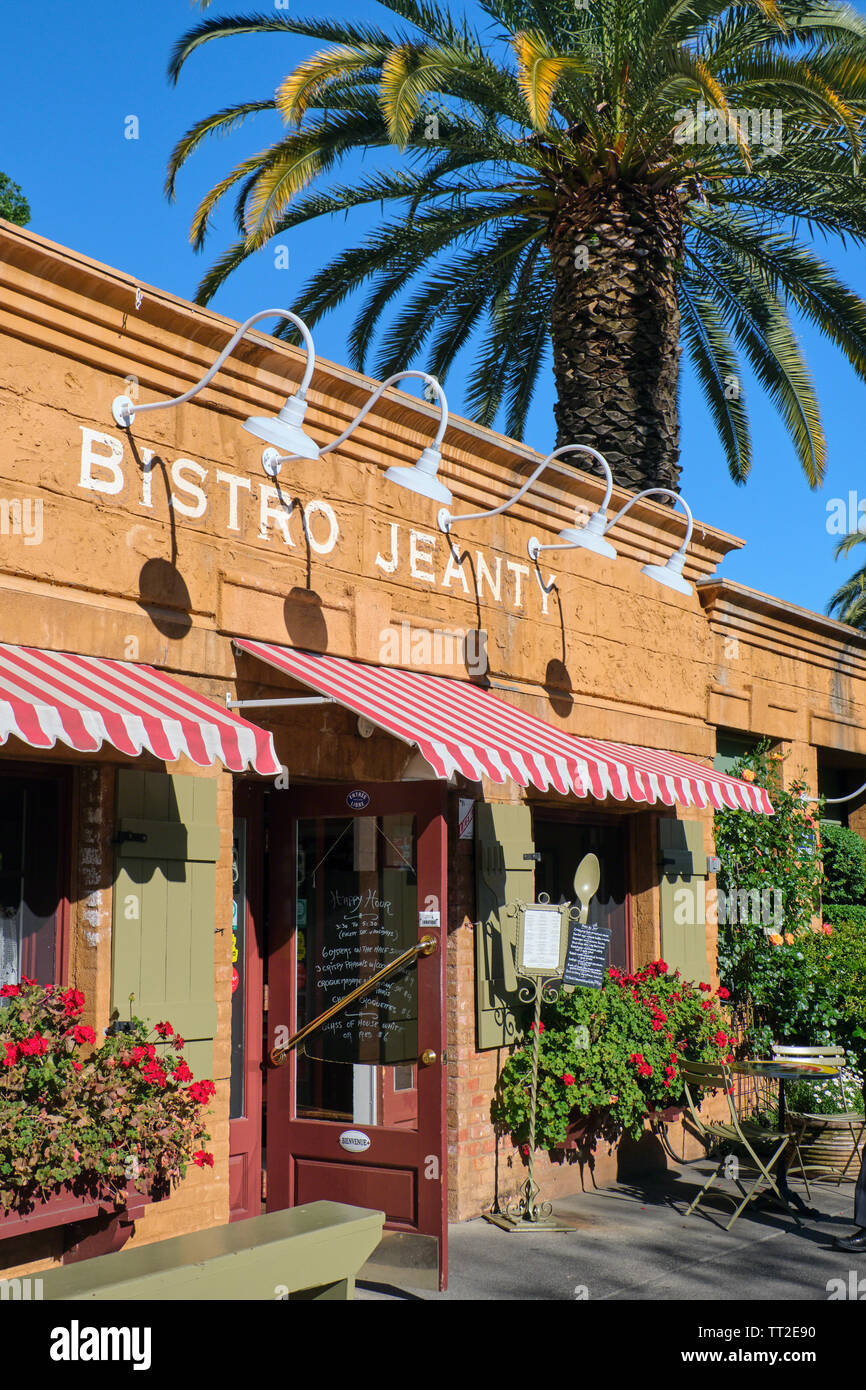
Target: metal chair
742	1137
820	1131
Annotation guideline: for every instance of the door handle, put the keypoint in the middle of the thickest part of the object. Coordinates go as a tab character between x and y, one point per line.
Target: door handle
428	1057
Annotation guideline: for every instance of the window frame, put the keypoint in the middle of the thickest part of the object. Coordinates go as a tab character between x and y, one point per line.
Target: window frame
67	786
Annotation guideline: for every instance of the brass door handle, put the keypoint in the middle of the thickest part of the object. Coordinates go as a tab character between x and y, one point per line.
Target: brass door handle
428	1057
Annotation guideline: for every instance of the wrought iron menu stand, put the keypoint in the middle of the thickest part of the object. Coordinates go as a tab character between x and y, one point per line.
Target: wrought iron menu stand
542	945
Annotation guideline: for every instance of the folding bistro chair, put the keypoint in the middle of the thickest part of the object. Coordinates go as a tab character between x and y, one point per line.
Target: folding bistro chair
762	1148
820	1131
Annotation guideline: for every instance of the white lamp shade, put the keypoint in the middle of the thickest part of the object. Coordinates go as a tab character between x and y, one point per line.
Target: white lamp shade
670	574
421	478
285	431
590	536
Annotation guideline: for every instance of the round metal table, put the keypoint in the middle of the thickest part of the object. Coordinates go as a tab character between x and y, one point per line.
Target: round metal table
782	1070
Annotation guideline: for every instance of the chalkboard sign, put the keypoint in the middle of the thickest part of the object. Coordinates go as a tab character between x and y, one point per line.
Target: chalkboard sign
360	913
361	933
588	954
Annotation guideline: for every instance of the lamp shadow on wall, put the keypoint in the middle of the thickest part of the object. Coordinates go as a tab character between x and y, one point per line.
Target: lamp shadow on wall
475	655
165	598
557	681
303	610
162	589
305	621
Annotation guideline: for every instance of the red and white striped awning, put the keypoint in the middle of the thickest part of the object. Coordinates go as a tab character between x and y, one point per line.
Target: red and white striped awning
86	701
459	727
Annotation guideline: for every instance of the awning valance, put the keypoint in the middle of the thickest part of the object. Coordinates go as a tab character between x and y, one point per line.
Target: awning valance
459	727
86	701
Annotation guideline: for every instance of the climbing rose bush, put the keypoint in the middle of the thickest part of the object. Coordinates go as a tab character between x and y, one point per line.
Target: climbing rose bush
93	1117
608	1058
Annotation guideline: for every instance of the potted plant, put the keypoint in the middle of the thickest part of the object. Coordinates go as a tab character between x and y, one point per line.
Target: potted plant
87	1129
609	1058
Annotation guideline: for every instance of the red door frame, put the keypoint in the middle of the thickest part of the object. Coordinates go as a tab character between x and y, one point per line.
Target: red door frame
245	1133
309	1138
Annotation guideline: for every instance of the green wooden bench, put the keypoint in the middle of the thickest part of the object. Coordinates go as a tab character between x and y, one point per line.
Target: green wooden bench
307	1252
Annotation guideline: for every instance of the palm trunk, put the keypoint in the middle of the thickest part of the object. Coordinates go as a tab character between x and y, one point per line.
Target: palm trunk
615	326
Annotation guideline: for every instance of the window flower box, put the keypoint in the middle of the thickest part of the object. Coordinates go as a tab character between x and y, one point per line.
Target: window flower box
66	1205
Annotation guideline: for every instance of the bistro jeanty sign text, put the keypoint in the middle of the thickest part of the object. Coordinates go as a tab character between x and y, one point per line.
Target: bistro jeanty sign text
197	491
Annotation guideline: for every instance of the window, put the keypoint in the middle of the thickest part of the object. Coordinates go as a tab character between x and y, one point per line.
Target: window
560	844
33	897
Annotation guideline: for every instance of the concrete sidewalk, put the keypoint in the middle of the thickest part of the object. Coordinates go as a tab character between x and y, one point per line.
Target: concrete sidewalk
633	1241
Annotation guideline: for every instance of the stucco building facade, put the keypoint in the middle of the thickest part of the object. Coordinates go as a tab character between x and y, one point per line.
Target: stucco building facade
165	546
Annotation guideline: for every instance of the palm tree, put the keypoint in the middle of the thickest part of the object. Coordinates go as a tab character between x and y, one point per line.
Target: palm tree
609	176
848	604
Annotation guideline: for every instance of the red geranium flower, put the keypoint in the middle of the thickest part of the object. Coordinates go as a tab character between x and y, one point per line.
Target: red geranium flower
540	1027
35	1046
567	1078
82	1034
202	1091
182	1072
724	993
25	981
178	1042
202	1158
10	991
165	1030
153	1072
704	987
73	1002
11	1055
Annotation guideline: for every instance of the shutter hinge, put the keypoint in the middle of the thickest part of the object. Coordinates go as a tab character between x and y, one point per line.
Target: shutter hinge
129	837
536	855
264	999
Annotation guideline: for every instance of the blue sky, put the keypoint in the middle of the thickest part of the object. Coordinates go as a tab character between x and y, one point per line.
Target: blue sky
74	73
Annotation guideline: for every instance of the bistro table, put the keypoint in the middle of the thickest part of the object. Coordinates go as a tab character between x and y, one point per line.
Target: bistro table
774	1069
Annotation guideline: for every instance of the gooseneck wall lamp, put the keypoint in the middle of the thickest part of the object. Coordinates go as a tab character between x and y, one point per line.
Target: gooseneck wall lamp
284	430
447	522
592	535
420	477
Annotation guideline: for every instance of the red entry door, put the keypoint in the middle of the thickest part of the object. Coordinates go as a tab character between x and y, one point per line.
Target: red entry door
357	876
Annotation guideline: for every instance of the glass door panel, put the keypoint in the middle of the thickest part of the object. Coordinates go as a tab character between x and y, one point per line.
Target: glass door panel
356	910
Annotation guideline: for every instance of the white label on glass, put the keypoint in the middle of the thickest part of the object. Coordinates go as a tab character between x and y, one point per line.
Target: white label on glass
542	933
354	1141
429	919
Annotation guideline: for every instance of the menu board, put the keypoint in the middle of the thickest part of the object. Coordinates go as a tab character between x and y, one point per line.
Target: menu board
541	940
363	921
588	954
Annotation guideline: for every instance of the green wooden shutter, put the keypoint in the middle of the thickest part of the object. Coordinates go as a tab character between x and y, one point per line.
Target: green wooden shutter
504	874
683	896
164	903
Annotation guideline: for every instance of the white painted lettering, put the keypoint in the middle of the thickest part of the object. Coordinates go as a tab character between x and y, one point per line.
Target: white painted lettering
234	482
110	462
273	508
199	507
318	507
390	565
421	545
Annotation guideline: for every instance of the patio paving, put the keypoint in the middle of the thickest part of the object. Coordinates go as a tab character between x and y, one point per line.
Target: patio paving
633	1241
